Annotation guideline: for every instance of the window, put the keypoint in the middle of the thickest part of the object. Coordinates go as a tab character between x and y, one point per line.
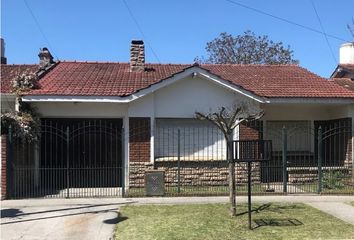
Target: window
199	140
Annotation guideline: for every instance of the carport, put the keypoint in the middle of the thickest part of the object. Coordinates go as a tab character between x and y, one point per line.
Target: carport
73	157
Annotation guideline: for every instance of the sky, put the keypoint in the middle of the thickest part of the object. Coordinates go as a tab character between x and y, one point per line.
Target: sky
174	31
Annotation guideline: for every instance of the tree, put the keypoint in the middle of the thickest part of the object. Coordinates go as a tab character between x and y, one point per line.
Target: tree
351	28
246	49
227	120
24	121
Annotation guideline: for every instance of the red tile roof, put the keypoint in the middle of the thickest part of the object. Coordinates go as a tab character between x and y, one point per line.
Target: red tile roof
280	81
344	82
348	67
101	79
115	79
9	72
343	70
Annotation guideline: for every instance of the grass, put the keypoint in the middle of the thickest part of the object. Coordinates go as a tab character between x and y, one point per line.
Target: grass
200	190
211	221
312	188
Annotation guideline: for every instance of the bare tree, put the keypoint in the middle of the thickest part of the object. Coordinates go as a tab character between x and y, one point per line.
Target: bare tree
351	27
227	120
247	48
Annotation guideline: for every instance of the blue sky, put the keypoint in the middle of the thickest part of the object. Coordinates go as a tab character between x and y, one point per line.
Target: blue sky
176	30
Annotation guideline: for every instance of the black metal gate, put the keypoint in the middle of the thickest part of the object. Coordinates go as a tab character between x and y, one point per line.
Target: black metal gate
310	158
72	158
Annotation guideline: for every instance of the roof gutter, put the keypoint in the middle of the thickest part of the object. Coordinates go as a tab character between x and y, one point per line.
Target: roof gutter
305	100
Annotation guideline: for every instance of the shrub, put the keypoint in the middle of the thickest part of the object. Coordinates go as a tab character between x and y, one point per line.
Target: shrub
333	179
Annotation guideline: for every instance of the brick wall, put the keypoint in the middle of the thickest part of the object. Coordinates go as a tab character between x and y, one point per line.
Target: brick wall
251	130
139	139
348	162
4	156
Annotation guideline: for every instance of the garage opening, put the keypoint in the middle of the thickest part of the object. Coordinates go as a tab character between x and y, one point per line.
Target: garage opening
72	158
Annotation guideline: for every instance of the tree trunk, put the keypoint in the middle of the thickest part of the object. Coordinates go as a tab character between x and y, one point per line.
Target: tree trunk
232	185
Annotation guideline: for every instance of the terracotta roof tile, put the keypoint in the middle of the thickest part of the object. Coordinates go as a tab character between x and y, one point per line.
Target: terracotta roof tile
115	79
344	82
348	67
279	81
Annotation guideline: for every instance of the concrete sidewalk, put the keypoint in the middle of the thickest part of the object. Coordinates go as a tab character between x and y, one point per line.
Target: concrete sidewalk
339	210
96	218
175	200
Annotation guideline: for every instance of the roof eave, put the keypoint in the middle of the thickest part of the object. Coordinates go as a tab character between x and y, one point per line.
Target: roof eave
311	100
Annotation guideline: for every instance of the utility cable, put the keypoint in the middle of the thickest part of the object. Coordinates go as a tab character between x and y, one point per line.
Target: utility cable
285	20
40	29
140	30
325	35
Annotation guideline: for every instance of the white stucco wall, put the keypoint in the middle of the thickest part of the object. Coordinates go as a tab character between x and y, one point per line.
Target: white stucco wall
81	110
305	111
183	98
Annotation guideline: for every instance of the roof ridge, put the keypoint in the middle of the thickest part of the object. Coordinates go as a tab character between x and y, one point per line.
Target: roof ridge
250	64
113	62
305	69
23	64
82	61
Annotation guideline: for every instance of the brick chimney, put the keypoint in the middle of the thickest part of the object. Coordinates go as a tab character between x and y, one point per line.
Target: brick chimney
2	49
137	56
45	58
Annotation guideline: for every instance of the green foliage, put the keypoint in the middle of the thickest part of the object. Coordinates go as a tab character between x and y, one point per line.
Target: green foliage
25	123
24	82
246	49
333	179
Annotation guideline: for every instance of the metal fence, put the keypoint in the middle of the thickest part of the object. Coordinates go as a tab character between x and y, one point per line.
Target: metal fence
71	158
306	157
85	158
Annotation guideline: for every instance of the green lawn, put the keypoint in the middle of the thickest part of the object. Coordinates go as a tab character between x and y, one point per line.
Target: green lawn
211	221
200	190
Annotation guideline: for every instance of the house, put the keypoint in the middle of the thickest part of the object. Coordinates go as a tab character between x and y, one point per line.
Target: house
343	75
110	122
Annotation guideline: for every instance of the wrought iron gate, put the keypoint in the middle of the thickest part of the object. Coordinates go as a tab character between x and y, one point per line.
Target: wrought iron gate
72	158
310	158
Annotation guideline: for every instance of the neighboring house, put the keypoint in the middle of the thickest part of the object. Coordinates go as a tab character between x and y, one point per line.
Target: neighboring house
343	75
9	72
149	102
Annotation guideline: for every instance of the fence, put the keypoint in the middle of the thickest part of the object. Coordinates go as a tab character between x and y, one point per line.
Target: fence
71	158
193	158
85	158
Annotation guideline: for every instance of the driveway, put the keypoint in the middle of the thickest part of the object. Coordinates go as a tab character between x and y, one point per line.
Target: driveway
60	218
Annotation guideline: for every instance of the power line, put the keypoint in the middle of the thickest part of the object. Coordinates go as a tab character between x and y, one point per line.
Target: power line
285	20
40	29
325	35
140	30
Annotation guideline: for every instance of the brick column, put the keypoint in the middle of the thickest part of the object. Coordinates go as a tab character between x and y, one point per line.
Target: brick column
4	157
139	150
139	139
251	130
